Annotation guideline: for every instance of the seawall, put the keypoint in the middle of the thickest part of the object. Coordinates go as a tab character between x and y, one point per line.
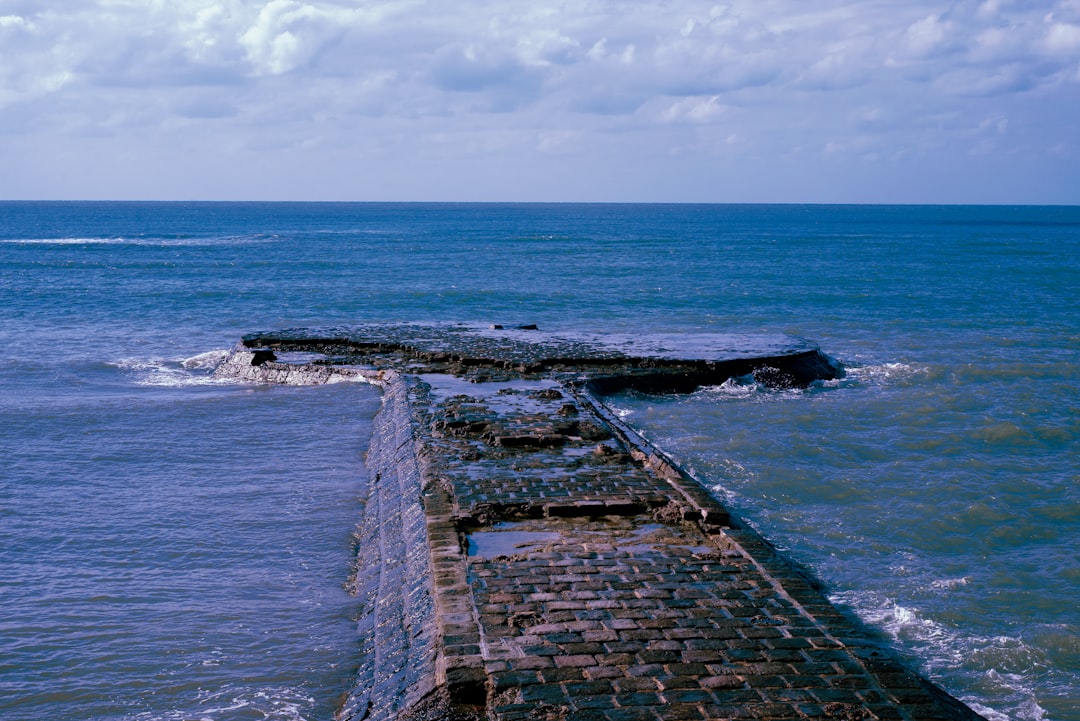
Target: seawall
524	555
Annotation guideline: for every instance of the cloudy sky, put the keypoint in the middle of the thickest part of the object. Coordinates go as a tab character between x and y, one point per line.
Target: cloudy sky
594	100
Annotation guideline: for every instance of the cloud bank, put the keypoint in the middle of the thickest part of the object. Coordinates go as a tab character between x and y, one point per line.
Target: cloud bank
769	100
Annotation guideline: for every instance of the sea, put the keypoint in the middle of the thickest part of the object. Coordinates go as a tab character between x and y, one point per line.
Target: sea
176	548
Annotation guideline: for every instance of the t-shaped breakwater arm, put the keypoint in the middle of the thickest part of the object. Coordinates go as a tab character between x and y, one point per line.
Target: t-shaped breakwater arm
524	555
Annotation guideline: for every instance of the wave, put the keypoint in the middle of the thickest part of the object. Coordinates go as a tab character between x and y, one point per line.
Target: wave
734	388
883	373
153	241
855	375
270	704
205	361
173	373
746	388
63	241
1001	667
949	584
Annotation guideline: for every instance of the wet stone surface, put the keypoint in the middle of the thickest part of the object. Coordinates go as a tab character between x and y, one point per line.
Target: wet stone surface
520	452
525	556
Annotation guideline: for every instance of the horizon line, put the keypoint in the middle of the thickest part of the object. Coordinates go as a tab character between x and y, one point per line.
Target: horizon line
556	202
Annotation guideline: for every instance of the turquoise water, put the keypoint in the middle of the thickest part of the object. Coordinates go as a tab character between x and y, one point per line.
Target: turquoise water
175	548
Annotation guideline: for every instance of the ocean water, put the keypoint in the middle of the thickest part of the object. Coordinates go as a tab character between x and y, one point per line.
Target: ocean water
172	547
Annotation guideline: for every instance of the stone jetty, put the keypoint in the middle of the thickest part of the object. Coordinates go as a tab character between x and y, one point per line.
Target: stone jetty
526	556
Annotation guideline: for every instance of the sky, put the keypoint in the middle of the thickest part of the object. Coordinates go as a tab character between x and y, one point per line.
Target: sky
772	101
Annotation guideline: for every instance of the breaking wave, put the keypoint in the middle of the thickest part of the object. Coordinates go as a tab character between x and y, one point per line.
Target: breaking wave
171	373
876	375
271	704
1003	666
153	241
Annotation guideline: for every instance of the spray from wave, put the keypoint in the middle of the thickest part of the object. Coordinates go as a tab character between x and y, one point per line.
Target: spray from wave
172	373
1004	665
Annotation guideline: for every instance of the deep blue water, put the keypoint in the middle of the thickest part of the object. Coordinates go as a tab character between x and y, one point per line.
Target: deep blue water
175	548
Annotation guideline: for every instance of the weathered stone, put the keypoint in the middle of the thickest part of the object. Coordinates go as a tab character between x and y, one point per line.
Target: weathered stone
615	587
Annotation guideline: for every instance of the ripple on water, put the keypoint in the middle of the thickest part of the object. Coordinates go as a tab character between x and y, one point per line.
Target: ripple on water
182	554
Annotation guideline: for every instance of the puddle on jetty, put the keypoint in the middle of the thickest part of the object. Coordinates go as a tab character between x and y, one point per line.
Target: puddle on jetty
445	386
503	540
610	534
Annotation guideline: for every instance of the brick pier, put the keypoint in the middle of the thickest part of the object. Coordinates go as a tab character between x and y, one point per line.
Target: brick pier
525	556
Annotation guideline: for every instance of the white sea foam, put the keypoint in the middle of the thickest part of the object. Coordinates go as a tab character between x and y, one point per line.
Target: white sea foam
147	241
986	712
64	241
1016	686
1005	664
282	704
171	373
904	624
742	387
883	372
335	379
949	584
205	361
875	374
193	371
745	388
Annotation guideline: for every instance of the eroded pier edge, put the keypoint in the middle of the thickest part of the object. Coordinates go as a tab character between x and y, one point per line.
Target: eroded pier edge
524	555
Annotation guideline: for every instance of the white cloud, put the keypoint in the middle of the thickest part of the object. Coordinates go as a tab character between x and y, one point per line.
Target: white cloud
928	35
287	34
1063	38
546	46
13	21
559	142
843	67
204	32
414	74
696	109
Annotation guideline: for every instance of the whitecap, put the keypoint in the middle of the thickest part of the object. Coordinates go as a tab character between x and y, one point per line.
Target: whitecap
274	704
1016	686
1001	666
166	373
335	379
157	241
63	241
733	388
905	625
949	584
205	361
883	372
746	388
985	711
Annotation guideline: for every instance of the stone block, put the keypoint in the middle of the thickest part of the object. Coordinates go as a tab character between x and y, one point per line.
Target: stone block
561	674
547	693
721	682
513	679
630	714
686	696
575	660
638	698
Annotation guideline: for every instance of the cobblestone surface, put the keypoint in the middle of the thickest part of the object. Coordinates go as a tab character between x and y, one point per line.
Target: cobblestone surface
568	570
617	616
